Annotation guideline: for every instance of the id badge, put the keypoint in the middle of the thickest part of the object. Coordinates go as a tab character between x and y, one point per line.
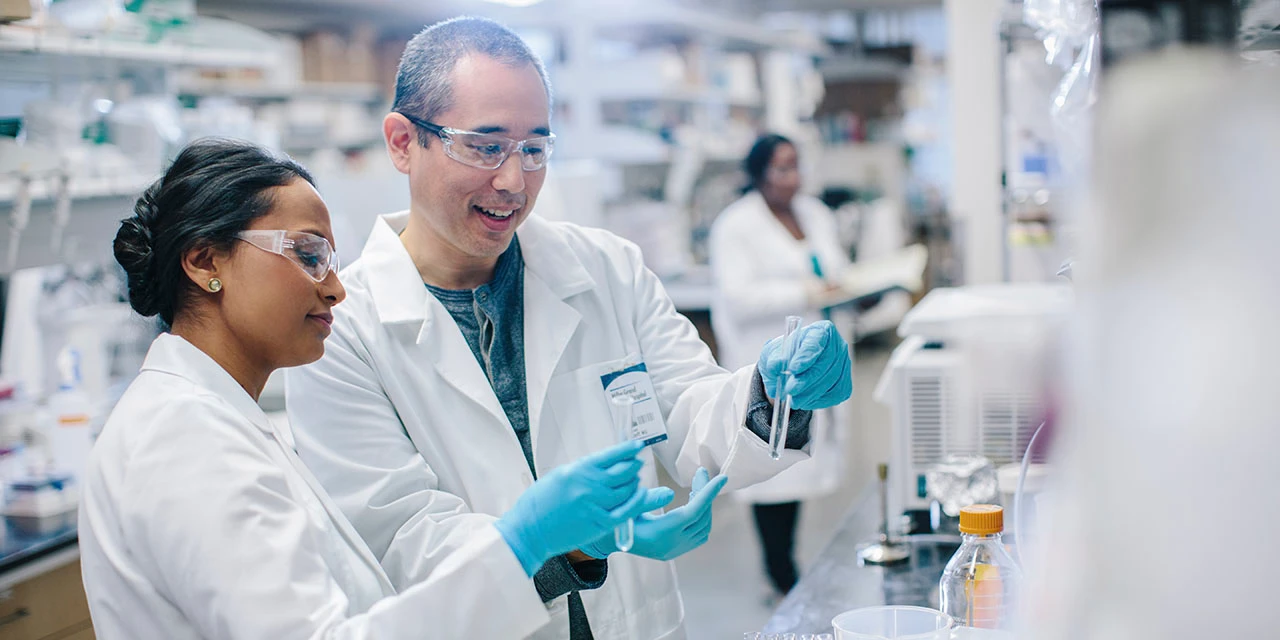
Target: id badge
646	419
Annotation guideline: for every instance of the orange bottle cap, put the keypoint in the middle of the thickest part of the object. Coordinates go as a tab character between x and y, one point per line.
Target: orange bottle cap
982	519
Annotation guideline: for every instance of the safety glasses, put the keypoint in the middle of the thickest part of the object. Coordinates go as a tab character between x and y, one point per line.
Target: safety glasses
488	150
311	252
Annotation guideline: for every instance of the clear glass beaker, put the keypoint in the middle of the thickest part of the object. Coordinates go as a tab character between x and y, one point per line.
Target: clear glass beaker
892	623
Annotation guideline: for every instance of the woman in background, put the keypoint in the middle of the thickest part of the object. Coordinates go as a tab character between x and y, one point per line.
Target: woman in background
198	519
771	251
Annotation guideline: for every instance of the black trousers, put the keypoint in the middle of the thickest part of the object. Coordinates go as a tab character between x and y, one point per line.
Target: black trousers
776	524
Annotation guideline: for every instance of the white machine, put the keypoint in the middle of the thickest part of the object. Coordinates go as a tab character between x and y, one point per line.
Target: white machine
969	378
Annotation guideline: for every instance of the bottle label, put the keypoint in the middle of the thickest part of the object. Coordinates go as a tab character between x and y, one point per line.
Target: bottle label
985	591
73	420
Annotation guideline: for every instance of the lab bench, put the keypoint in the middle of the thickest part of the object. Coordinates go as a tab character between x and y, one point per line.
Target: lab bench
41	593
835	583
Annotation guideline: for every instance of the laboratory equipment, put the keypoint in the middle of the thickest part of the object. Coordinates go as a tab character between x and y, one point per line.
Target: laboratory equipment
74	417
961	480
885	551
624	535
892	622
981	584
782	399
968	379
40	504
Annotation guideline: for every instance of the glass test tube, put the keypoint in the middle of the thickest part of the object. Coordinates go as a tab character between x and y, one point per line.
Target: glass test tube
624	535
782	400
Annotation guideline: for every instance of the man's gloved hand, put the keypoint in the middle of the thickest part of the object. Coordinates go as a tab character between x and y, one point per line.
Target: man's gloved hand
675	532
822	373
575	504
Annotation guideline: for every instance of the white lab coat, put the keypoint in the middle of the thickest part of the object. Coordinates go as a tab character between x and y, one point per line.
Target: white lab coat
402	427
199	521
761	272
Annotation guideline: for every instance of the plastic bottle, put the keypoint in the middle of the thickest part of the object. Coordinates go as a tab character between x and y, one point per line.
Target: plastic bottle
71	431
982	582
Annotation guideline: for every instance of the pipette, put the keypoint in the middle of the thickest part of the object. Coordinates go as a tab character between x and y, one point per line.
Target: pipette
782	399
624	535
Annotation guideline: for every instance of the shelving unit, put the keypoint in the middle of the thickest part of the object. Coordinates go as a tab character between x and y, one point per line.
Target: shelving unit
671	123
46	57
82	188
25	40
666	21
359	92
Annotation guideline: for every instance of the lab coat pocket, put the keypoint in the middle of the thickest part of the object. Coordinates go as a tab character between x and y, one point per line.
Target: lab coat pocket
577	404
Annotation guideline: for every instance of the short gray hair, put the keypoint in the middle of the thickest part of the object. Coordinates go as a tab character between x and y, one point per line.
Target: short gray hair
424	80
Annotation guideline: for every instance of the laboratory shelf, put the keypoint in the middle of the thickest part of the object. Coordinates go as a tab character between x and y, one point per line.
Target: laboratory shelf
650	21
677	95
26	40
361	92
120	186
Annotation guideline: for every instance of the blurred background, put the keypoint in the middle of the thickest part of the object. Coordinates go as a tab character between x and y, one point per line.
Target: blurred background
952	142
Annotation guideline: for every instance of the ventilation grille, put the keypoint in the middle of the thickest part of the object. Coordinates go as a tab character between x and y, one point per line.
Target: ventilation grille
929	415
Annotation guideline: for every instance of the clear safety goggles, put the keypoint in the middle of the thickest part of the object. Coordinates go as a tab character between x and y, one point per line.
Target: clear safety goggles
489	150
311	252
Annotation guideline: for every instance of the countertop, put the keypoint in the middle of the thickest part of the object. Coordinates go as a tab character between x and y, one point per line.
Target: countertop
27	550
836	583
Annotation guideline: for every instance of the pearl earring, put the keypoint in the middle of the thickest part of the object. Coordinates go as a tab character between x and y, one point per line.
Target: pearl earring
215	285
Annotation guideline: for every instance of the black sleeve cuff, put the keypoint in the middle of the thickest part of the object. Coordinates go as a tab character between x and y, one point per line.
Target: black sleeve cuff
559	577
760	414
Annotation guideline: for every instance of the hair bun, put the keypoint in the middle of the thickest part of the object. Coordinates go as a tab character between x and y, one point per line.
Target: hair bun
134	251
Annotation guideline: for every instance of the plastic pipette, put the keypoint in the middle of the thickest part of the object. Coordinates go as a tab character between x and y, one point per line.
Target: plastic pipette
624	535
782	399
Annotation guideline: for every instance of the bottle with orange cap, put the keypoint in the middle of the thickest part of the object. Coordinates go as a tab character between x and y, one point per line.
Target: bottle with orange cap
981	583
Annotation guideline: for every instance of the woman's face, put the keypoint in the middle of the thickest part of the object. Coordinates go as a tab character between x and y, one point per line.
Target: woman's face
278	313
782	176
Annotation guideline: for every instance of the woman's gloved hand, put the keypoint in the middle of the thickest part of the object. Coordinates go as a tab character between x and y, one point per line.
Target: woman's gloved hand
822	372
575	504
674	533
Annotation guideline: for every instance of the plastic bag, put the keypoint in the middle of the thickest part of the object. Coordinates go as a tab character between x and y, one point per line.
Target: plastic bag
1064	25
1072	112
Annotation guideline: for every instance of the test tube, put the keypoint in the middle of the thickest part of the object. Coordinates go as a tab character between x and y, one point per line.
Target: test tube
624	535
782	400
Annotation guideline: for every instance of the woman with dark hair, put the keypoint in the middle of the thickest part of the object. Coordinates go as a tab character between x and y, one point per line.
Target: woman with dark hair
198	520
771	252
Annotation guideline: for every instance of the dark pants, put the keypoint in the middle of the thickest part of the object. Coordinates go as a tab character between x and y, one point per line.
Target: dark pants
776	524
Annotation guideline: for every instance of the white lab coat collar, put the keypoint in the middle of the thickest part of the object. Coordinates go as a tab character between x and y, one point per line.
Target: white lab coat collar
553	273
398	292
174	355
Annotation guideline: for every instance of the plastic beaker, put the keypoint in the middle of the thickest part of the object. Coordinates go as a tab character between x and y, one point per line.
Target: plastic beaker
892	623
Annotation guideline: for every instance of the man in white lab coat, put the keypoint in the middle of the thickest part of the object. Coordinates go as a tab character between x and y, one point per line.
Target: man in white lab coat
469	358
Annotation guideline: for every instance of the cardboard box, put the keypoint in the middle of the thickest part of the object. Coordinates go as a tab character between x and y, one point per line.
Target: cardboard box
14	10
362	54
324	57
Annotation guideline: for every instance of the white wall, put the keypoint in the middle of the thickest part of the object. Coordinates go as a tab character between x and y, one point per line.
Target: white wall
973	58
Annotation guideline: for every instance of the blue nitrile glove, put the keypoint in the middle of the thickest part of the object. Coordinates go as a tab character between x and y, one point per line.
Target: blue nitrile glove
675	532
821	369
575	504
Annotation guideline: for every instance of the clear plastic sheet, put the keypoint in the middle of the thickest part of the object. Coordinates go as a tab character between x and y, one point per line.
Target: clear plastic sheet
1072	111
1064	25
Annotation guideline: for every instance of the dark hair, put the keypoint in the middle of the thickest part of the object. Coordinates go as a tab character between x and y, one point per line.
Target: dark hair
758	159
214	189
424	80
